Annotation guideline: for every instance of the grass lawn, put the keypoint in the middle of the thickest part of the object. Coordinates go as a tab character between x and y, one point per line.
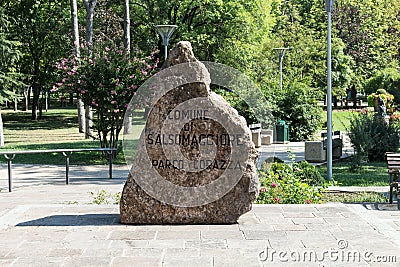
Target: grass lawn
340	119
57	129
372	174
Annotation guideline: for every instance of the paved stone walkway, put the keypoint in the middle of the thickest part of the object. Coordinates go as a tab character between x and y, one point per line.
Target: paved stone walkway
49	223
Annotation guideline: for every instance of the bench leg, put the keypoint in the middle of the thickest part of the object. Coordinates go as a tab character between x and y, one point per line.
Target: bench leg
110	158
67	155
391	189
9	165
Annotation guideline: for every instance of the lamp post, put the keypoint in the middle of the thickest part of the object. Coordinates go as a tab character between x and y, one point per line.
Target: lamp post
165	32
281	51
329	8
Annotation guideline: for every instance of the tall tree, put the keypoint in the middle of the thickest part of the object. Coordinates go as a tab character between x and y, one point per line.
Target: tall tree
127	27
90	6
10	77
127	45
43	36
77	54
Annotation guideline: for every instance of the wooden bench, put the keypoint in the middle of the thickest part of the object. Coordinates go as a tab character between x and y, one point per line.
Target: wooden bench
10	155
393	162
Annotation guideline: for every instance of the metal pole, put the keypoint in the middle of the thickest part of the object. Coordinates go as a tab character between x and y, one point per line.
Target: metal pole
166	51
9	163
329	100
280	68
9	176
110	158
67	155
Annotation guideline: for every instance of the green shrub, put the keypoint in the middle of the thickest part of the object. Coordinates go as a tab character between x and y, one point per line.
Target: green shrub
388	79
298	107
371	137
289	184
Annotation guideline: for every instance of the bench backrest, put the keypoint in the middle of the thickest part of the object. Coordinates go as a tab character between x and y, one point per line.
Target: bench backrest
393	161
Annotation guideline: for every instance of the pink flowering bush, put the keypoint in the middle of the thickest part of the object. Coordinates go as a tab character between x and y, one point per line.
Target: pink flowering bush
296	183
106	81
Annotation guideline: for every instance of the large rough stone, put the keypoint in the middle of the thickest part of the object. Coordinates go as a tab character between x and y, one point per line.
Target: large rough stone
205	174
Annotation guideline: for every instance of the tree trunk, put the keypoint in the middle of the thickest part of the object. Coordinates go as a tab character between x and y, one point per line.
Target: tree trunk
88	122
35	89
127	27
75	29
26	95
127	45
89	5
35	102
77	55
81	115
1	131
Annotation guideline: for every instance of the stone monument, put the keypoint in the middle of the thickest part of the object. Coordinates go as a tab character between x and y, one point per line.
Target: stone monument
195	161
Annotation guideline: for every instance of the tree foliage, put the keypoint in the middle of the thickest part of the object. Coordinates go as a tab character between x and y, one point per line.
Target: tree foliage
10	76
106	80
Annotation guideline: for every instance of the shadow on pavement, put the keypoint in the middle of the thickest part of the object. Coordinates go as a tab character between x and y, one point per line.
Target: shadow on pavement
75	220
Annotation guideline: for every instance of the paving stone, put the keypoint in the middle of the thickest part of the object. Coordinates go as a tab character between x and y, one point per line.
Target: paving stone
177	243
4	252
309	221
257	227
266	208
132	235
206	244
143	252
194	227
7	262
65	252
101	244
313	236
293	214
279	244
40	261
298	208
136	262
232	253
109	252
182	252
153	227
185	262
204	235
244	244
236	261
88	261
278	219
264	235
289	227
323	227
121	244
223	227
327	214
188	235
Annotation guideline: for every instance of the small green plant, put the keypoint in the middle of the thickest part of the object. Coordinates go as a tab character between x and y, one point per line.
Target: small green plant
103	197
290	184
371	137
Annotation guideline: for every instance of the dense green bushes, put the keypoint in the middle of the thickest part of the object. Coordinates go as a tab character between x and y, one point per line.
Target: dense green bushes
297	105
294	183
371	137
